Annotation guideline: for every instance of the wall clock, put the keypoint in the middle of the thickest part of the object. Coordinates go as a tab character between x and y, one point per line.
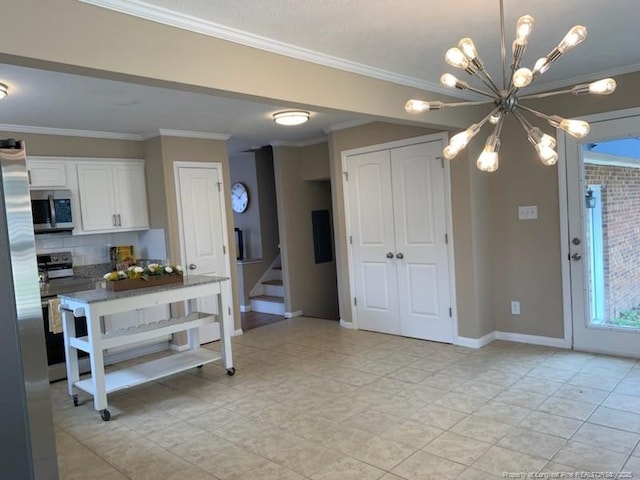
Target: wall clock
239	197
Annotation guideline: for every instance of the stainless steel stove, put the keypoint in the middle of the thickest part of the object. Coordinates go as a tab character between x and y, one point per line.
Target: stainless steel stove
57	277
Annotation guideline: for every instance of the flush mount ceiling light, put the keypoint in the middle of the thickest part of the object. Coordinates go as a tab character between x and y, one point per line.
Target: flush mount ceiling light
291	117
506	100
4	90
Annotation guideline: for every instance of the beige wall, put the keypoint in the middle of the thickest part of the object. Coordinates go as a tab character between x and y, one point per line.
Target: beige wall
309	287
65	146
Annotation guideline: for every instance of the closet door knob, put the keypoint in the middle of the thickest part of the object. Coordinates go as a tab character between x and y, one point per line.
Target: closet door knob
400	256
192	266
390	255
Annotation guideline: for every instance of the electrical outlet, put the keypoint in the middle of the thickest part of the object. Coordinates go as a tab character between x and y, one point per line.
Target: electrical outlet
528	212
515	308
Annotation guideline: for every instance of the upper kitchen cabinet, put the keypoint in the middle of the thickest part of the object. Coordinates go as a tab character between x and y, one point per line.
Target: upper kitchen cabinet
45	172
112	196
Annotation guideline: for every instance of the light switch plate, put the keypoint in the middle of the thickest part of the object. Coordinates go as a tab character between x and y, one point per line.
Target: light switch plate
529	212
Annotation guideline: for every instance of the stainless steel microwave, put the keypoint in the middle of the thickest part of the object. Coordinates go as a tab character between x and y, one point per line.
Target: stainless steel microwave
51	211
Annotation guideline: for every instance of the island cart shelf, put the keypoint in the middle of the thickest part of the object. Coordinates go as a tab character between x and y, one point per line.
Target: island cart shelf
95	304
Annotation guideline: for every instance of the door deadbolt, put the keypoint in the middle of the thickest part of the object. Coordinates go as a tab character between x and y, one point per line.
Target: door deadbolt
575	241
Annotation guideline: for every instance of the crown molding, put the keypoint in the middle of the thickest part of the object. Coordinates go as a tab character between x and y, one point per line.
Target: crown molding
164	132
67	132
298	143
140	9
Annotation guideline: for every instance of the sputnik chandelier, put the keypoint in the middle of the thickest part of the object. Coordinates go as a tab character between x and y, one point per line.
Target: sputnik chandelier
507	100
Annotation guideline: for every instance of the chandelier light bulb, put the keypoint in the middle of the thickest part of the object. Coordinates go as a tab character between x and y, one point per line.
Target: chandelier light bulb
460	140
575	128
523	29
546	154
541	66
468	48
4	91
574	37
488	159
548	140
450	152
456	58
495	118
606	86
420	106
522	77
448	80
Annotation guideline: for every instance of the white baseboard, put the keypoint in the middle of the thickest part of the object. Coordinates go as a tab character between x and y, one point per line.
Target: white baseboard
345	324
245	308
237	333
476	342
532	339
297	313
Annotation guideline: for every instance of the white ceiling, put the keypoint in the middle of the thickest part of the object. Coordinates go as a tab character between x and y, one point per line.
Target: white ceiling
398	40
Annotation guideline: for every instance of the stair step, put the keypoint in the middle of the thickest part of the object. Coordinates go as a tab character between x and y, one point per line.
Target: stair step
273	282
268	304
269	298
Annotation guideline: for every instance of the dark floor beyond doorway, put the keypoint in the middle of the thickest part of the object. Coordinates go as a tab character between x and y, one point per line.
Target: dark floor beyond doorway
249	320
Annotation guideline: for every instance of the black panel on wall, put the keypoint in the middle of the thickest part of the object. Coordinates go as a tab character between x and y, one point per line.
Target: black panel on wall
322	247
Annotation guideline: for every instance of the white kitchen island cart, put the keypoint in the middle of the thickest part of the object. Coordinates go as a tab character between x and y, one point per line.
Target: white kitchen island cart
95	304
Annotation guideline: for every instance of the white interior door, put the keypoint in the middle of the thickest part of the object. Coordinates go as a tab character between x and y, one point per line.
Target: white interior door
397	216
372	238
592	240
421	249
203	232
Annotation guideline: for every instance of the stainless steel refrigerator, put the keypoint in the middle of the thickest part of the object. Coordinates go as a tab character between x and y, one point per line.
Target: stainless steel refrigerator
27	443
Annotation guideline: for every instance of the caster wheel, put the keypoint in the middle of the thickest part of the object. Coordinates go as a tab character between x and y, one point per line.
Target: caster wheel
231	371
75	401
105	415
199	367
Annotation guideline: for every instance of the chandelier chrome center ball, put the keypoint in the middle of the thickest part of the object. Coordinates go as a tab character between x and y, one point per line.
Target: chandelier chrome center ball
507	100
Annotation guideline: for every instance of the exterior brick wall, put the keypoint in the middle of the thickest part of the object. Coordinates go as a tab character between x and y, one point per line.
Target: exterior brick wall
621	234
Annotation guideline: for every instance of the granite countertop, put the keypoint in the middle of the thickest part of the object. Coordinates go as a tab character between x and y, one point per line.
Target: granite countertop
102	294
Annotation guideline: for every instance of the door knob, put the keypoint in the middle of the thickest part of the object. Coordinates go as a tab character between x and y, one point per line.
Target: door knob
575	257
400	256
390	255
192	266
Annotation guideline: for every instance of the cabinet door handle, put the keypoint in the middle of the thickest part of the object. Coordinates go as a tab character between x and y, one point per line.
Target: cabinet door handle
29	176
119	221
113	220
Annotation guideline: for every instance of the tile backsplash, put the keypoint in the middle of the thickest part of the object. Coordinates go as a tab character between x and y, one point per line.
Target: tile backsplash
94	249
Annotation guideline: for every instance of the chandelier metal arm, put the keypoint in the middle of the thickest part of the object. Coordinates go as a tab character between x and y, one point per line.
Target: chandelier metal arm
535	112
546	94
467	104
503	50
481	92
523	121
487	80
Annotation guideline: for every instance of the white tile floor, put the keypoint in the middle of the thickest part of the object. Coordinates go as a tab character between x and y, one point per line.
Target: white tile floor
313	400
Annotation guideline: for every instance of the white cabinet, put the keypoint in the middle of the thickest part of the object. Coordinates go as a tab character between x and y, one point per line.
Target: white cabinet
112	196
46	173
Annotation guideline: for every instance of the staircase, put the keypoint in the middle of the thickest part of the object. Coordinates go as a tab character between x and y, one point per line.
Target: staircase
268	295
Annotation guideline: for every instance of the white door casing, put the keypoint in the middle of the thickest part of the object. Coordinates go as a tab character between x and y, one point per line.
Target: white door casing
203	232
406	214
579	333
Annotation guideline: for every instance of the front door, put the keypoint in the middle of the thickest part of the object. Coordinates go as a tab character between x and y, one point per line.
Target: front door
397	212
203	231
603	189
